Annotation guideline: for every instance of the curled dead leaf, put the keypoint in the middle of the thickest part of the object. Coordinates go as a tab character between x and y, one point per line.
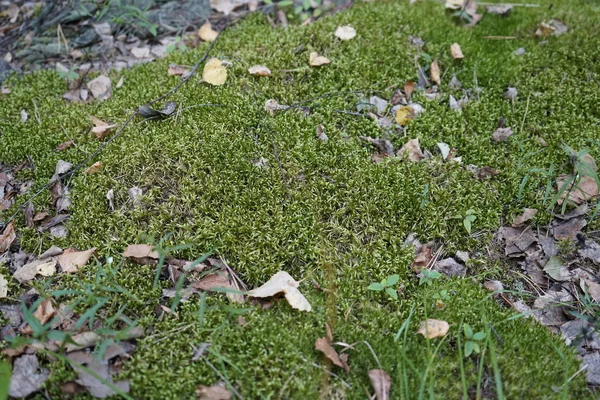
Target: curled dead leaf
101	128
100	87
214	72
259	70
8	237
95	167
140	252
501	134
177	70
527	215
381	383
433	328
411	150
324	346
434	72
282	282
316	60
456	51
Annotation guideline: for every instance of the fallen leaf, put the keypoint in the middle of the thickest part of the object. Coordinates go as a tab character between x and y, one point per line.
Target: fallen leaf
45	311
409	87
404	115
150	113
8	237
454	104
485	172
214	72
577	192
556	269
110	196
177	70
214	392
24	116
411	150
273	105
568	229
70	261
207	33
141	52
528	214
315	60
282	282
324	346
384	146
444	150
65	145
456	51
381	383
493	286
321	135
423	259
345	32
454	4
433	328
510	93
95	167
259	70
97	387
25	378
100	87
101	128
501	134
434	72
449	267
3	287
499	9
140	252
47	268
554	27
12	12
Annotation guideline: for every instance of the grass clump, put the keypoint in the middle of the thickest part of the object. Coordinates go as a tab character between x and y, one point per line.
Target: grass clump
323	211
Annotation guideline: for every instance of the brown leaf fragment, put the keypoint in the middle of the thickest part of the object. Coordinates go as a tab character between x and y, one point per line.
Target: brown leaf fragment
323	345
423	259
409	87
214	392
282	282
259	70
449	267
433	328
101	128
384	146
456	51
321	135
97	387
100	87
411	150
28	212
517	240
8	237
25	378
316	60
71	388
577	191
140	252
52	222
71	260
528	215
65	145
568	229
486	172
381	383
434	72
493	286
45	311
95	167
398	98
177	70
40	216
501	134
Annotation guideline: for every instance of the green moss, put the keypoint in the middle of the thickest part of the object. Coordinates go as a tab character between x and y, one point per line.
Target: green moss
323	211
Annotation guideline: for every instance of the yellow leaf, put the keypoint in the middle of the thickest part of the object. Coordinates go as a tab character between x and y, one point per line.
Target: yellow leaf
456	51
315	60
404	115
95	167
214	72
207	33
433	328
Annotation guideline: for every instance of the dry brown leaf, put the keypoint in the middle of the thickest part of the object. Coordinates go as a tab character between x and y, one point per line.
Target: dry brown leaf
456	51
259	70
100	87
65	145
411	150
95	167
214	392
7	237
70	261
323	345
528	214
434	72
140	251
321	135
207	33
409	87
381	383
501	134
423	259
45	311
83	340
101	128
582	191
282	282
345	32
433	328
177	70
47	268
214	72
315	60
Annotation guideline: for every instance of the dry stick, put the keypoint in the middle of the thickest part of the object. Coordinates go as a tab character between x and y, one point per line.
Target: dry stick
120	130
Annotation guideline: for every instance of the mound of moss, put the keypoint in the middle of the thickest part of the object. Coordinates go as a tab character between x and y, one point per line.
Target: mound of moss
324	211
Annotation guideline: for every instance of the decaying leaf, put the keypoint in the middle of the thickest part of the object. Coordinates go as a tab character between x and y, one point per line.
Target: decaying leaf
150	113
321	135
177	70
8	237
273	105
423	259
95	167
556	269
456	51
25	377
454	4
578	192
499	9
65	145
207	33
214	72
501	134
3	287
45	311
97	387
411	150
259	70
101	128
282	282
345	32
140	252
434	72
324	346
409	87
381	383
433	328
315	60
214	392
70	261
47	268
384	146
528	214
554	27
100	87
404	115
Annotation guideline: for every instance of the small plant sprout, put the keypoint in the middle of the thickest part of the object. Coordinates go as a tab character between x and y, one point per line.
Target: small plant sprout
473	339
440	298
427	276
69	75
470	217
386	286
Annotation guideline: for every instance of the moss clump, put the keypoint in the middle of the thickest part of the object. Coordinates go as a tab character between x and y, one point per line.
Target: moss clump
324	211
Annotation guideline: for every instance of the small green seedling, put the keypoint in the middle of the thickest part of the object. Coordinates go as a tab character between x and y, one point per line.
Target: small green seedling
386	286
473	339
470	217
69	75
427	276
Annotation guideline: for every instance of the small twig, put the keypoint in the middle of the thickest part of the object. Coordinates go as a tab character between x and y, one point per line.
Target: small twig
509	4
351	113
500	37
36	112
525	115
285	183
